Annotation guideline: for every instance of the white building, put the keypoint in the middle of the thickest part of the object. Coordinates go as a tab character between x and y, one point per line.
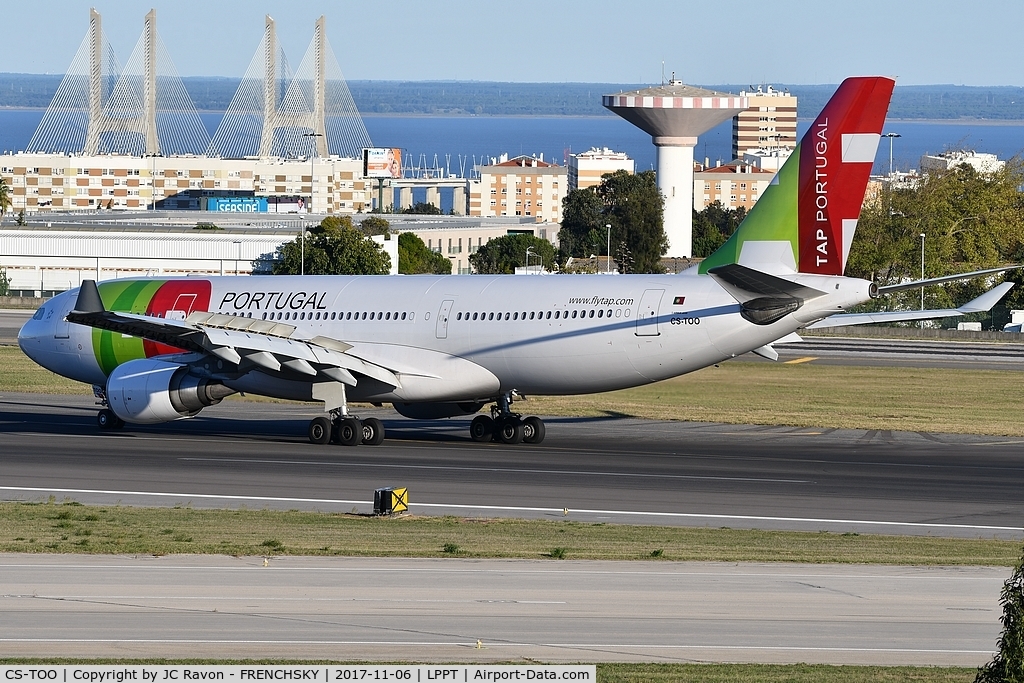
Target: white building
586	168
767	159
981	162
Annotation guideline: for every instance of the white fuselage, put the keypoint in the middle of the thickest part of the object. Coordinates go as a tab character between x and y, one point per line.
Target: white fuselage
535	335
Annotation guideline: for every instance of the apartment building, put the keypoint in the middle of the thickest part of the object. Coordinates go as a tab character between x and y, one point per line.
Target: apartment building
522	186
58	182
734	184
768	122
586	168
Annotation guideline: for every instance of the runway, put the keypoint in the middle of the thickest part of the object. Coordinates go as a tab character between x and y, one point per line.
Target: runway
612	470
360	609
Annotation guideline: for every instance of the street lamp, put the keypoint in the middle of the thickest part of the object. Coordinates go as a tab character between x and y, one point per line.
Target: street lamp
302	248
313	155
239	243
528	250
608	263
891	136
922	275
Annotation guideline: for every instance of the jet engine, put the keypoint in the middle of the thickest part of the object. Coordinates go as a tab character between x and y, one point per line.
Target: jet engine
436	411
152	391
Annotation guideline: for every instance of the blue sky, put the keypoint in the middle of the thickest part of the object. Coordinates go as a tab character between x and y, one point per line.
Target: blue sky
610	41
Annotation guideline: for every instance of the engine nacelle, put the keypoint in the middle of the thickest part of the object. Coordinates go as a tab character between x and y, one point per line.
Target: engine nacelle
154	391
436	411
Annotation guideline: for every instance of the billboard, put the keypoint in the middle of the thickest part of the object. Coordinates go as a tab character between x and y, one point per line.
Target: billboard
237	204
382	162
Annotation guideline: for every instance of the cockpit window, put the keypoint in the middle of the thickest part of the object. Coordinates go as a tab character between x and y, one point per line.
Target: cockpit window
39	314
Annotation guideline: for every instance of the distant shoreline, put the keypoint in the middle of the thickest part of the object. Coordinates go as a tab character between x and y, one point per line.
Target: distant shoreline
408	115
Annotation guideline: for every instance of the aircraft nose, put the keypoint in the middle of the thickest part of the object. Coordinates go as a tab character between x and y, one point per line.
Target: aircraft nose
32	334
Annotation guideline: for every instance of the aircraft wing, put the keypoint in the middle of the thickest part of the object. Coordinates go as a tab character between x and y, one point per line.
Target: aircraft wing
984	302
245	342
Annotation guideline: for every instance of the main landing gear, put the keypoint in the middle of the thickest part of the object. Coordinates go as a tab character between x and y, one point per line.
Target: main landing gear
346	430
505	426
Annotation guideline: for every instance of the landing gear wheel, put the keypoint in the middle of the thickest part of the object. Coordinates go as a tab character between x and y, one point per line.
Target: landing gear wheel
510	430
533	430
319	430
481	428
373	432
350	432
107	419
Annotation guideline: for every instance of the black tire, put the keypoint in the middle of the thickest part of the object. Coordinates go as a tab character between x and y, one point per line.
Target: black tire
107	419
481	428
510	431
319	430
350	432
373	432
533	430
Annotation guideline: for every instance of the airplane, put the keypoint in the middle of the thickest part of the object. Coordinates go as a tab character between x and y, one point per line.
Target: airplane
162	349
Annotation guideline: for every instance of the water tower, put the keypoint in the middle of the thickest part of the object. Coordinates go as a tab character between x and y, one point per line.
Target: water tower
674	115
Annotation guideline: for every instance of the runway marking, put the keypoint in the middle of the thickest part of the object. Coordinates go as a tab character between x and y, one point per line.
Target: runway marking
797	361
493	645
516	508
497	469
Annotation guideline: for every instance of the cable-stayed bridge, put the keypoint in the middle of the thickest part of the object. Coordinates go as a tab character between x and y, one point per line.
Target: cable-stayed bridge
143	108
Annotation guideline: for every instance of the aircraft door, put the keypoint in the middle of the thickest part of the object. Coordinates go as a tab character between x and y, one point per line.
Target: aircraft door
441	331
647	314
62	328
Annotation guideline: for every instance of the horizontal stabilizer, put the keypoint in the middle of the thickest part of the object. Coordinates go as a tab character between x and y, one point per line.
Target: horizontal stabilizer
918	284
985	302
745	283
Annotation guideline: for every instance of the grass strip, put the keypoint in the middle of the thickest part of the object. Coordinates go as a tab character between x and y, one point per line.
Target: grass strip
69	527
800	395
642	673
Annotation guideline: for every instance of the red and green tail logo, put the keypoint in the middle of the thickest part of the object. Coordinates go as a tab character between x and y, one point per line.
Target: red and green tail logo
806	218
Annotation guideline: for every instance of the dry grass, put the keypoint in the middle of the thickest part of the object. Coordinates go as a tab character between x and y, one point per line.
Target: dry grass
73	528
644	673
809	395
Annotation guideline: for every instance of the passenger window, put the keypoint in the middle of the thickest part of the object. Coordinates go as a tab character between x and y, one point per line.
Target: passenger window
515	316
458	316
591	312
394	316
387	316
600	314
403	316
364	316
490	316
506	316
574	314
474	316
532	313
548	315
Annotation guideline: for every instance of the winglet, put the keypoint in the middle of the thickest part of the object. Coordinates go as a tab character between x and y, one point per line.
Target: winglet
986	301
89	300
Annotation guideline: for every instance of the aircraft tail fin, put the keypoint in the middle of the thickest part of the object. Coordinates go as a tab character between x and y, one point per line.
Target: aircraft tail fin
805	220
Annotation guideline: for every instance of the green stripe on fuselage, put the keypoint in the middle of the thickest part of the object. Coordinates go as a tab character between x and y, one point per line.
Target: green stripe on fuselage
773	218
130	296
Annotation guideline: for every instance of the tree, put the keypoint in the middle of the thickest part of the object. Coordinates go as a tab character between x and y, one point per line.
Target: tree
5	197
415	258
375	225
21	217
505	254
713	226
1008	663
5	283
335	247
635	209
423	208
970	221
582	225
